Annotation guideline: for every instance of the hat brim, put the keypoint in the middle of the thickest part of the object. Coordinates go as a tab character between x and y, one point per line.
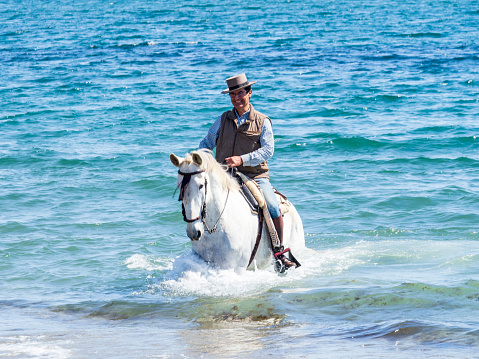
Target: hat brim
249	83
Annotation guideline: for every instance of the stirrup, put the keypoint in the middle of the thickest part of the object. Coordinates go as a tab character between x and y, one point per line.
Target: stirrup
282	262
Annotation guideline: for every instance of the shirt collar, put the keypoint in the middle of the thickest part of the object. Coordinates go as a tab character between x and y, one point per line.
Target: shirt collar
244	115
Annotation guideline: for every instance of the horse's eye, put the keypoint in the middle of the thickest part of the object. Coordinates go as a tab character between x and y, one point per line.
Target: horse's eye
201	186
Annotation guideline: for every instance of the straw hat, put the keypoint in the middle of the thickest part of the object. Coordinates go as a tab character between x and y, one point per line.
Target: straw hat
237	82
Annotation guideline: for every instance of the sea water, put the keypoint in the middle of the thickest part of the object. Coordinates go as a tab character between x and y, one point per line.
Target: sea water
375	114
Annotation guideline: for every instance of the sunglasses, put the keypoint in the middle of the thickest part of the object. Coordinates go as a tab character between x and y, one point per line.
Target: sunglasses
239	94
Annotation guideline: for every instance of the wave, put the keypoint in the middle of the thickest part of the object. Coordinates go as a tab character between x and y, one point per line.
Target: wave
418	332
433	35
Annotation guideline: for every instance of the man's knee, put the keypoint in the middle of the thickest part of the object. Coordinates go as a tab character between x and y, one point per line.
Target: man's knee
275	212
270	198
273	205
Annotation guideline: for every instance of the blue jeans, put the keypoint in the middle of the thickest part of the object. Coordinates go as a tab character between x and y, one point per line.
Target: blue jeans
269	196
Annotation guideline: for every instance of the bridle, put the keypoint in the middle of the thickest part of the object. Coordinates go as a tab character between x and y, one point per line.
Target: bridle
184	183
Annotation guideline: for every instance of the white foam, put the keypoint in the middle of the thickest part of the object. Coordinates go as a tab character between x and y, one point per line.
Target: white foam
192	276
144	262
34	347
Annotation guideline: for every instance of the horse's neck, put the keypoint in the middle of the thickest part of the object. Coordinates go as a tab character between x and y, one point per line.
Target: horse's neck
229	202
217	196
227	211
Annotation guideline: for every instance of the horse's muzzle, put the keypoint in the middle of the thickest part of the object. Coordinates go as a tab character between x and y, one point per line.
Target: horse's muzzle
193	232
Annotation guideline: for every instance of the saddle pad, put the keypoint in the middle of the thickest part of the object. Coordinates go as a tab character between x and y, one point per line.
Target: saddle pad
248	196
284	204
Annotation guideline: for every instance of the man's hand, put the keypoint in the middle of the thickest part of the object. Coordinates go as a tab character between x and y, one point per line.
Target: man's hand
234	161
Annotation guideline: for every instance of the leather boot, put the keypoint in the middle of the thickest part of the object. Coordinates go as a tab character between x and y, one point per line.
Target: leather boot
278	225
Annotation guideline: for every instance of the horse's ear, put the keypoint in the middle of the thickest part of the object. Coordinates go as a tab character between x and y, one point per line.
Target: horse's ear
196	158
175	160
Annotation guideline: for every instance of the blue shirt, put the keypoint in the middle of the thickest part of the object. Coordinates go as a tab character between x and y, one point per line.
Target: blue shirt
262	154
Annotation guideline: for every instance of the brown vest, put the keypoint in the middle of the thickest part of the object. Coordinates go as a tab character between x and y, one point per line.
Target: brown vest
237	141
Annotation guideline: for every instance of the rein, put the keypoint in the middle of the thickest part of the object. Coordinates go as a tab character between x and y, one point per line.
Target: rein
258	237
202	216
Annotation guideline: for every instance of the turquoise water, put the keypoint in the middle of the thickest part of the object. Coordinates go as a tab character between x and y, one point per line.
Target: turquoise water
374	107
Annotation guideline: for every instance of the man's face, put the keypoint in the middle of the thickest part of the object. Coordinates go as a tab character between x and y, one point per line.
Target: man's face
240	100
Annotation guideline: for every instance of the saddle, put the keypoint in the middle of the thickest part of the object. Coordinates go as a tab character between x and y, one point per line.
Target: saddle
253	196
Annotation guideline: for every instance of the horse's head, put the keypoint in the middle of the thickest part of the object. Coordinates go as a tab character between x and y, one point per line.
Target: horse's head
192	182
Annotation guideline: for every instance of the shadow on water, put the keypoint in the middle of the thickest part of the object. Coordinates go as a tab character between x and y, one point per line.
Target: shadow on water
233	327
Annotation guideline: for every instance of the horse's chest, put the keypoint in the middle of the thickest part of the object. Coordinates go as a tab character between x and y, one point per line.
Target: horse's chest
216	250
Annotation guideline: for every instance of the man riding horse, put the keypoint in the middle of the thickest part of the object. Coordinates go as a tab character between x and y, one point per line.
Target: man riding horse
243	138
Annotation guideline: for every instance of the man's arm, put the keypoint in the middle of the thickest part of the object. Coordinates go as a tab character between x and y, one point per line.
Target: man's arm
210	139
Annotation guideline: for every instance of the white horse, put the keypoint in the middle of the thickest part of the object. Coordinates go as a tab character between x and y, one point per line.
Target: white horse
220	223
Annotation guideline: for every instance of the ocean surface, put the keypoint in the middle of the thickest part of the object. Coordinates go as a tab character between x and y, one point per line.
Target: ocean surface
375	114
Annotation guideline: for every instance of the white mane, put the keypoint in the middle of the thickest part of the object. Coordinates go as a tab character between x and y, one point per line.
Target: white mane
211	166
